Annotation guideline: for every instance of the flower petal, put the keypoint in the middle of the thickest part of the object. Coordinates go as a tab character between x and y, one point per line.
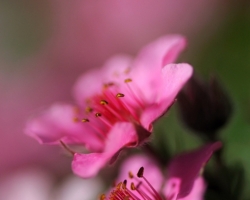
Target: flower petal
87	85
197	193
193	162
173	77
121	135
147	66
57	124
160	52
91	83
172	188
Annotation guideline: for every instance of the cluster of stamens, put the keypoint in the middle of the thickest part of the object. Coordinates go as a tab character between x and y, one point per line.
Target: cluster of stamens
105	109
140	189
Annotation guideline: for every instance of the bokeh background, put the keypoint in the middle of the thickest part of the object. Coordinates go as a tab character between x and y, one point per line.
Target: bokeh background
45	45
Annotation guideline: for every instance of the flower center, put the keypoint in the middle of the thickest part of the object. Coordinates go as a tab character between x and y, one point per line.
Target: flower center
110	106
140	189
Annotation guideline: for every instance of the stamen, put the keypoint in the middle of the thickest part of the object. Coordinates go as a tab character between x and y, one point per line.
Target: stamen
120	95
132	186
140	172
130	175
98	114
89	110
140	175
138	100
128	80
75	119
106	85
103	102
124	184
85	120
67	148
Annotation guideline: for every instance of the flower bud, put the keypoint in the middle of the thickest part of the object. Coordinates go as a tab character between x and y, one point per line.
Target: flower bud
204	107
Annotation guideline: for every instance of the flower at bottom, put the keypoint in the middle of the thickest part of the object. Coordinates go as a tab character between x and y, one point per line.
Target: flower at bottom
116	105
142	178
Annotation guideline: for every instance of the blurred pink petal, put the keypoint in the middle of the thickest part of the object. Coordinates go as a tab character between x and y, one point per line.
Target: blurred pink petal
121	135
171	80
57	124
193	162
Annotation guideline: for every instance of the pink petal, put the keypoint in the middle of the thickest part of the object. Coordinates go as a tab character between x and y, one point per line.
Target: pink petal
187	166
91	83
57	124
121	135
172	79
116	68
88	165
146	71
197	193
163	51
172	188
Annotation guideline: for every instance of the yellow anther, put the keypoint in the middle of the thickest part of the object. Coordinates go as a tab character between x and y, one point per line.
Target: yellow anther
128	80
85	120
75	119
132	186
130	175
98	114
119	185
106	85
120	95
103	102
88	109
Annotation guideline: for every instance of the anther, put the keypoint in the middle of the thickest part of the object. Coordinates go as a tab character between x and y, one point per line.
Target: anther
128	80
119	185
98	114
120	95
124	184
75	119
132	186
130	175
88	109
140	172
85	120
106	85
103	102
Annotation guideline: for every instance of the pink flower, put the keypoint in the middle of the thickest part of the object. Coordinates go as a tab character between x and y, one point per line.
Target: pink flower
116	105
183	181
